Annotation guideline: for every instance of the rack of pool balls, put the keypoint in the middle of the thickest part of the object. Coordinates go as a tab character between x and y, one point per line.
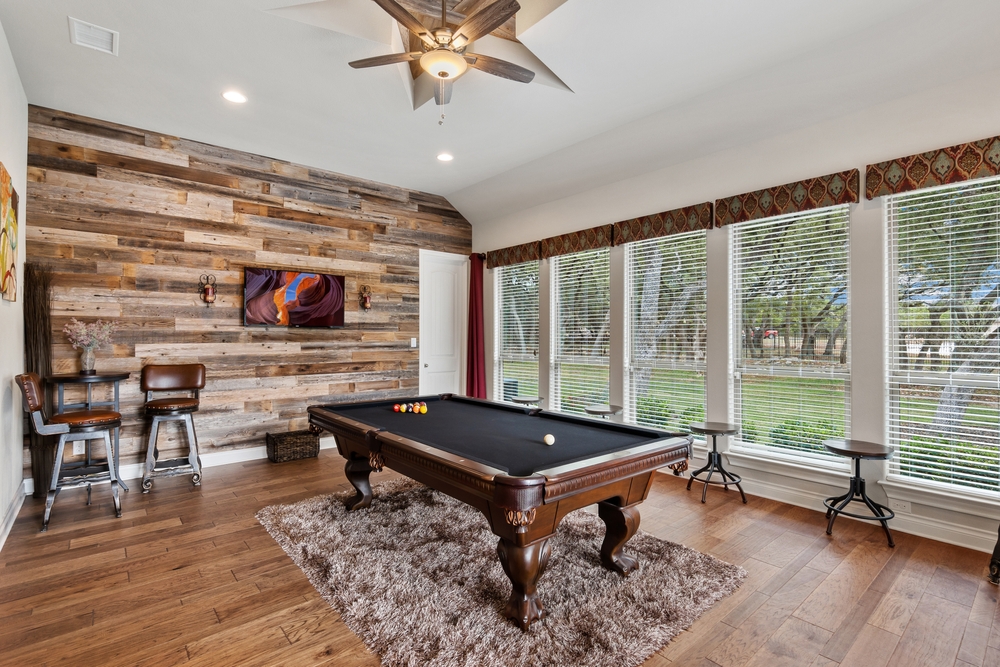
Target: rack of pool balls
416	408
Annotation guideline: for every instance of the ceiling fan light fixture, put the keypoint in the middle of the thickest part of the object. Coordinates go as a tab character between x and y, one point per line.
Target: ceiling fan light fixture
443	64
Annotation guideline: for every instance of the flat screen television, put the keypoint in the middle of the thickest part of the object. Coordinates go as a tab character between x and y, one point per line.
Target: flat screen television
275	297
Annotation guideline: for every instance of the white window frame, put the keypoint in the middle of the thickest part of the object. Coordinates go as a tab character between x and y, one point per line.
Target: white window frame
631	366
747	452
955	497
499	355
556	359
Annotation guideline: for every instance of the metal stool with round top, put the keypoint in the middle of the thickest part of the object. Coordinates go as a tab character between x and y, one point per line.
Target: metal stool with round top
601	410
857	450
714	465
527	400
73	426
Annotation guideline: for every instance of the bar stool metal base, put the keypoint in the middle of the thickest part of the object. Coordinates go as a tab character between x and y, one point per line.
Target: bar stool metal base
173	467
856	494
85	473
715	466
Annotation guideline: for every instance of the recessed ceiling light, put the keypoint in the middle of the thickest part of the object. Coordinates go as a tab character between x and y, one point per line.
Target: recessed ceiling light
446	157
235	96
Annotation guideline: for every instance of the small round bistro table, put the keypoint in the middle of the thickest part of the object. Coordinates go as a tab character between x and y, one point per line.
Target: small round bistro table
61	380
714	465
603	410
857	450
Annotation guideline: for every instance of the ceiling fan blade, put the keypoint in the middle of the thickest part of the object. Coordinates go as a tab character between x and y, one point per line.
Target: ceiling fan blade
396	11
386	60
500	68
484	22
442	91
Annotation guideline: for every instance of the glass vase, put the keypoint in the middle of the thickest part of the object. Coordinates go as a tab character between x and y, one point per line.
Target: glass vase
87	361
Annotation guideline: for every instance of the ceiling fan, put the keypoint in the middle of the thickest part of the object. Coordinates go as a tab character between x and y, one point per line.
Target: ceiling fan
443	55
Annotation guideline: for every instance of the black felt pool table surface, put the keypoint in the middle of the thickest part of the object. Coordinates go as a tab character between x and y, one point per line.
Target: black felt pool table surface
507	438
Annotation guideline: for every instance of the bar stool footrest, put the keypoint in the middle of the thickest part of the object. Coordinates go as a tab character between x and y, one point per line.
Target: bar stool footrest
864	517
733	479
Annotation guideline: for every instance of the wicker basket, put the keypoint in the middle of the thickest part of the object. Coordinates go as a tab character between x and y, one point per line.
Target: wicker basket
291	446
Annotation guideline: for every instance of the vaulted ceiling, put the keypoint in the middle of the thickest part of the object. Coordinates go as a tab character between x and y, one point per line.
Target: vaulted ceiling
627	86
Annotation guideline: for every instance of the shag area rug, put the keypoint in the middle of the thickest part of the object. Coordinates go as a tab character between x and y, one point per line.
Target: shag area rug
416	577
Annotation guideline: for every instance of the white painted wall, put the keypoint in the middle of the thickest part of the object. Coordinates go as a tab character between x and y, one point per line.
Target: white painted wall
962	111
14	156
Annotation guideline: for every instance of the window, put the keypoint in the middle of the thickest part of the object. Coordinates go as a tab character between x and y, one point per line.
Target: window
665	369
581	330
790	318
517	331
944	392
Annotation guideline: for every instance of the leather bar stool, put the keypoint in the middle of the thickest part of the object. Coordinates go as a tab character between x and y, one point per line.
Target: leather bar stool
173	378
72	426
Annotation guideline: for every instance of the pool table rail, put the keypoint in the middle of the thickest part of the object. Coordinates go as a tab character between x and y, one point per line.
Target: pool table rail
572	478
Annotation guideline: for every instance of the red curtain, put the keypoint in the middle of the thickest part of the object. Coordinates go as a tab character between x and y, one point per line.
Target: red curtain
475	375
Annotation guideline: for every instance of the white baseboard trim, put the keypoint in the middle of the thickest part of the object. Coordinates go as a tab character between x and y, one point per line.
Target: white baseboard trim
785	494
10	515
945	531
923	526
208	460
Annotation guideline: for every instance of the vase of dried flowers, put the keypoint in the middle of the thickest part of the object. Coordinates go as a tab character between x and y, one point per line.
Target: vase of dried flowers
87	338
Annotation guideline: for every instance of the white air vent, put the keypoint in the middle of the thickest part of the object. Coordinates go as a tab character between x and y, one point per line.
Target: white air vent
93	36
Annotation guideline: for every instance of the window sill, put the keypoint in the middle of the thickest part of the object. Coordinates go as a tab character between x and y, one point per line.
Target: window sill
834	473
922	492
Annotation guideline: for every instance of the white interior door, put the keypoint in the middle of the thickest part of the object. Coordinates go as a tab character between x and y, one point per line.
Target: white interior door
444	308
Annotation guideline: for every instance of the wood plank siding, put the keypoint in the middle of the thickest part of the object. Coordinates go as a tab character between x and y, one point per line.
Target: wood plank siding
128	220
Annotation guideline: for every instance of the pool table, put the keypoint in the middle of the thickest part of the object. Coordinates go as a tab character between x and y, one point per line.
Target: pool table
492	456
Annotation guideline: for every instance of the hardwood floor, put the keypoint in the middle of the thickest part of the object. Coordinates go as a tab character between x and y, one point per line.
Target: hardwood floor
188	576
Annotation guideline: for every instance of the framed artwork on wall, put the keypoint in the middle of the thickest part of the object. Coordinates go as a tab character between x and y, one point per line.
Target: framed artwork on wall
8	237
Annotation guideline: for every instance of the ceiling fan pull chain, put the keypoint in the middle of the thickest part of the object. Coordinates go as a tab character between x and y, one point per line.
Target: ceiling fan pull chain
440	85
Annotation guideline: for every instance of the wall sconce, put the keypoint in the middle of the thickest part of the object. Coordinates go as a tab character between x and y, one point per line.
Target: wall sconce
207	288
365	297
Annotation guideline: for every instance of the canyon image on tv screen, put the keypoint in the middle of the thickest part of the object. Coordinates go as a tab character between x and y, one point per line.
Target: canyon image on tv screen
273	297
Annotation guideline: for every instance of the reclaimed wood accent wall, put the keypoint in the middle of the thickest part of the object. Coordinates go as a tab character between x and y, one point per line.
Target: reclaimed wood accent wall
128	220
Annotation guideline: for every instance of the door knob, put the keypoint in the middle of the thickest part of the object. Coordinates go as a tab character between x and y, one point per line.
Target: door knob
426	365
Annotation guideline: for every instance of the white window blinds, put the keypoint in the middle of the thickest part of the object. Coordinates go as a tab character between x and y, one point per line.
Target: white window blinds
581	330
944	388
790	318
665	368
517	331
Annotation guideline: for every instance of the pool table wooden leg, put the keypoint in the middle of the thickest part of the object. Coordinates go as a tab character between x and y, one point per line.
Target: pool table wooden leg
524	567
357	472
621	523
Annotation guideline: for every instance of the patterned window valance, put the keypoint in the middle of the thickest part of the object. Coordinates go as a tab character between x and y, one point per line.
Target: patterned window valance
677	221
515	254
954	164
840	188
588	239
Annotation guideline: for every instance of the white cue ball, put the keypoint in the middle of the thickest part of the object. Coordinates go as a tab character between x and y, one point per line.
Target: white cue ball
549	439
